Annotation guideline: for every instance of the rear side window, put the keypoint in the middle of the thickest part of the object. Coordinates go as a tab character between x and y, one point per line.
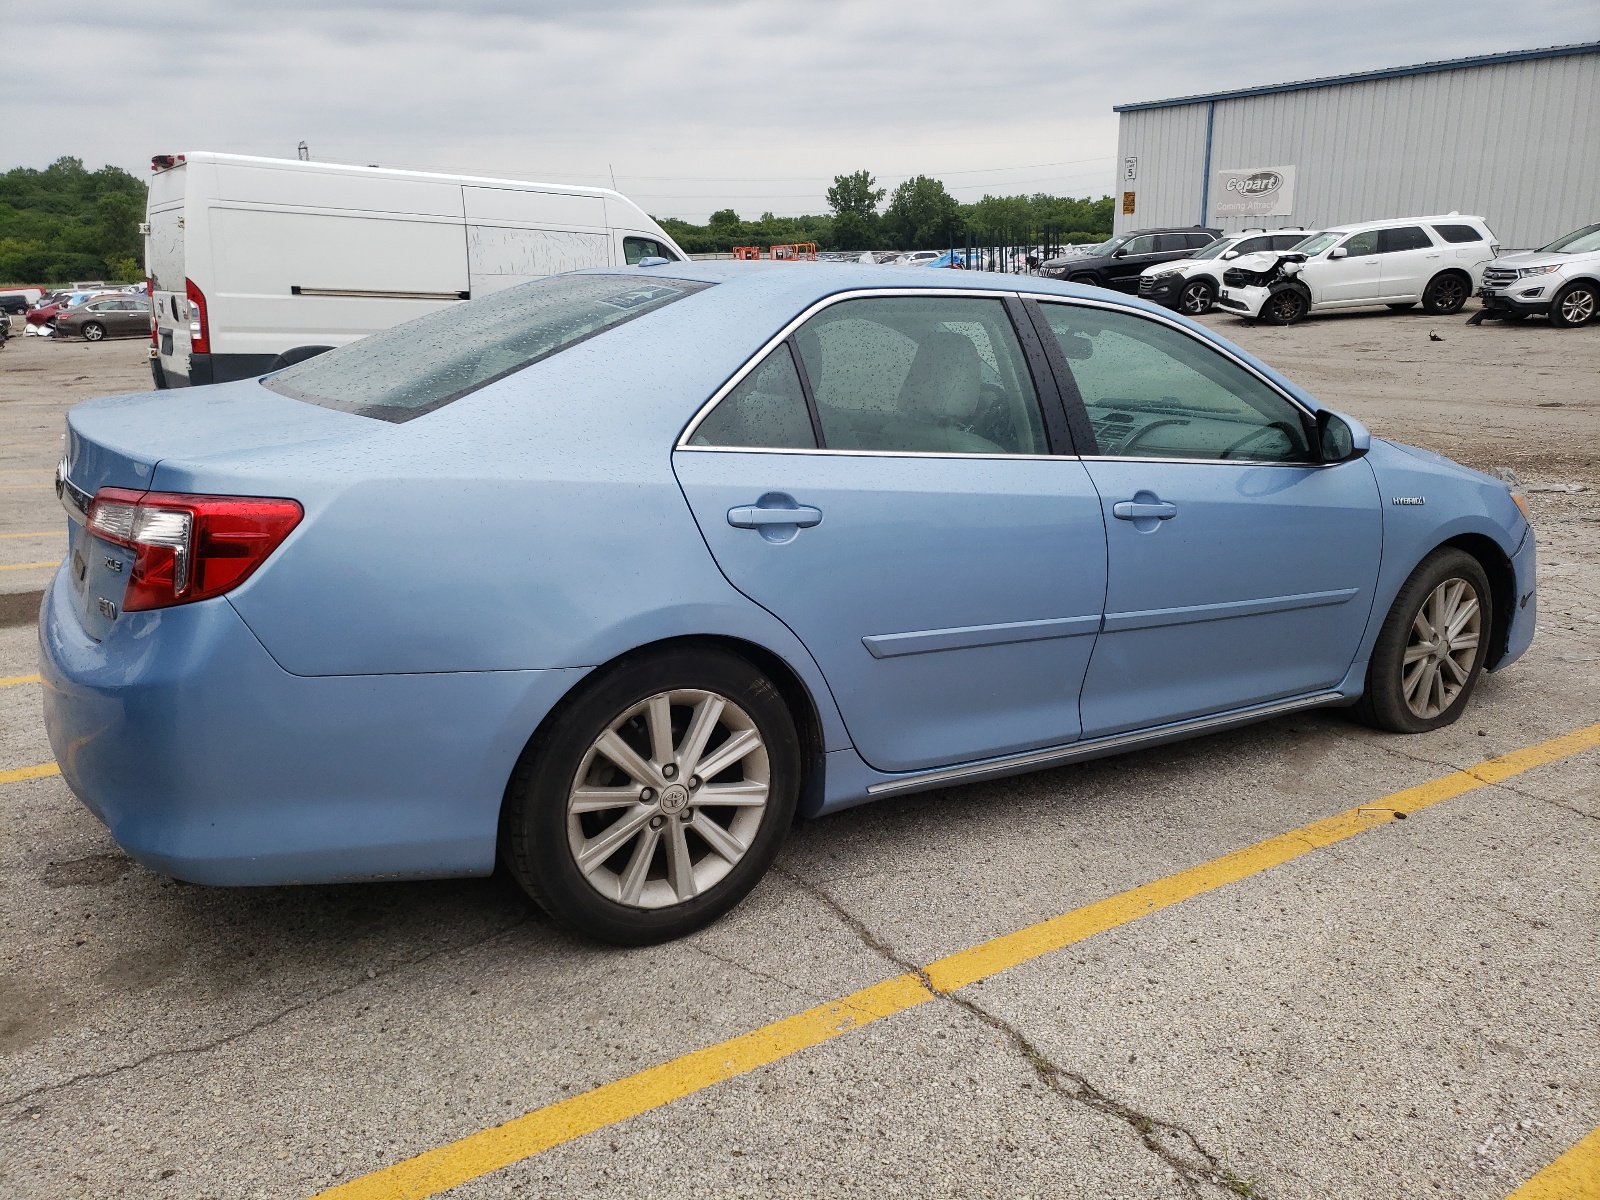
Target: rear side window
1287	241
1407	237
920	374
635	248
1194	241
766	410
424	364
1458	233
1171	241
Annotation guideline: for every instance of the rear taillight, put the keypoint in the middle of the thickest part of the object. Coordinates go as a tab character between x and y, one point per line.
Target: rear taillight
150	291
199	326
186	547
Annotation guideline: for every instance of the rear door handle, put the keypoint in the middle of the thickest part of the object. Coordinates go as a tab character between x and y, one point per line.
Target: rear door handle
775	508
1133	510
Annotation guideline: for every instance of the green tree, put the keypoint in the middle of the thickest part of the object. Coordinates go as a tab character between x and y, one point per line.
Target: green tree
854	199
65	222
922	215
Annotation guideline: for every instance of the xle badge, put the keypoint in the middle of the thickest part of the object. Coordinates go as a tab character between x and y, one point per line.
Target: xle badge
1408	500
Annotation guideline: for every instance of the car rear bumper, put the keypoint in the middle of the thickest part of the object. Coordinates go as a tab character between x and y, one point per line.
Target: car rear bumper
209	762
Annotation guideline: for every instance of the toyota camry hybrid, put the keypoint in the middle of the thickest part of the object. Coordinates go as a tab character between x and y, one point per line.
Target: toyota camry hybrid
612	574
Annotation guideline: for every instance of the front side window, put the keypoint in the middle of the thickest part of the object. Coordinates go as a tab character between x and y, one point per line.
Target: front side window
936	374
1144	244
414	368
1154	392
1362	243
1458	233
635	248
1407	237
1286	241
1251	245
1316	243
1216	248
767	409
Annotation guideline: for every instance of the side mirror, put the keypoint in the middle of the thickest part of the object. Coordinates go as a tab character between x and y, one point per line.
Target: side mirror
1230	254
1341	438
1120	254
1338	252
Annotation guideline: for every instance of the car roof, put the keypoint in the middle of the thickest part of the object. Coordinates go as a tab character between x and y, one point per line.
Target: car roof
1391	222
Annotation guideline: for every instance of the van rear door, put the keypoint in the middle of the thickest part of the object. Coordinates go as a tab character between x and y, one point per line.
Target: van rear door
164	263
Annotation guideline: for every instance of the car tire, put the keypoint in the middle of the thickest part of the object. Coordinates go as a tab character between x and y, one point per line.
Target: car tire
1285	307
1575	305
1085	280
93	331
1402	307
1413	689
650	886
1196	298
1445	294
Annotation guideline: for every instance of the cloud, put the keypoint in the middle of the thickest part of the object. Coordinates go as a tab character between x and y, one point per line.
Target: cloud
692	103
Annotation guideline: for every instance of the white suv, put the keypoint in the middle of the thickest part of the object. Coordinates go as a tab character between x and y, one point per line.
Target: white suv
1562	279
1438	261
1191	285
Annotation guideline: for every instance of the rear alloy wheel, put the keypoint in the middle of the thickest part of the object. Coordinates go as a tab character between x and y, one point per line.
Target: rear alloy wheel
93	331
657	800
1575	305
1446	294
1196	298
1284	308
1431	648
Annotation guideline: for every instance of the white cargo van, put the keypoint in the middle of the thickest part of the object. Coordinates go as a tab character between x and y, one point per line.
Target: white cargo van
258	262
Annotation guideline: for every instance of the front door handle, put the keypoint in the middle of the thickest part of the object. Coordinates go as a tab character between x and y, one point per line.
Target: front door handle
1133	510
752	517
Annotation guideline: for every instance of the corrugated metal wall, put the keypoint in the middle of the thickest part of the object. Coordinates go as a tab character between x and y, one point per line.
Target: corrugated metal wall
1517	143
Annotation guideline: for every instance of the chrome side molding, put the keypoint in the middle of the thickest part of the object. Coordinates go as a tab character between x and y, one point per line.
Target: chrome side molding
1098	747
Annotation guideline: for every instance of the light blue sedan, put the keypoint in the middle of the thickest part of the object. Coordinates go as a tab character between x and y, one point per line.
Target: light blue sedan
613	573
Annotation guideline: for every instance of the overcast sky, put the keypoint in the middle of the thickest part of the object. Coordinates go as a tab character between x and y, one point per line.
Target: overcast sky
692	104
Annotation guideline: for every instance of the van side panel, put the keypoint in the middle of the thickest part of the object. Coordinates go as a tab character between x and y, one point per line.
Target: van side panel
514	236
263	255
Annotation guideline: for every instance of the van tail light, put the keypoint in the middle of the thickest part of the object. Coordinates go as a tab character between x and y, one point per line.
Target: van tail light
188	548
199	324
150	291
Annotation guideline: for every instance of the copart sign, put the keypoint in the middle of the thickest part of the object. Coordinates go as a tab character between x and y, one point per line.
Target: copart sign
1254	192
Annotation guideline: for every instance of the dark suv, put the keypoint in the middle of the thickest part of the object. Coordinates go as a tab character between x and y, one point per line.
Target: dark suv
1117	263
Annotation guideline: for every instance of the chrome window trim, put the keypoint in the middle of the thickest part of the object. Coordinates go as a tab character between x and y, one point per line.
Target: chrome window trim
733	381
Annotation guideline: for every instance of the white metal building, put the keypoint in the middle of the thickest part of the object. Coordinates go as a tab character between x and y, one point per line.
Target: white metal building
1513	137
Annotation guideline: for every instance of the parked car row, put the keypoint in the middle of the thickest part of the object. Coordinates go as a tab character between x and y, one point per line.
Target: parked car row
92	314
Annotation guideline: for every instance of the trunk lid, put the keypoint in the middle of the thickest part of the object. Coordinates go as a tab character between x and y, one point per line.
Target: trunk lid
119	441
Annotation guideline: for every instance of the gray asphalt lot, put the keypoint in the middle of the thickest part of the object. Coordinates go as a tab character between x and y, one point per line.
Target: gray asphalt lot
1412	1012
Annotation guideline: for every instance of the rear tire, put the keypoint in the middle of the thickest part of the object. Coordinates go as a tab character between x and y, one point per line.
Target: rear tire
93	331
608	853
1431	649
1575	305
1196	298
1284	308
1445	294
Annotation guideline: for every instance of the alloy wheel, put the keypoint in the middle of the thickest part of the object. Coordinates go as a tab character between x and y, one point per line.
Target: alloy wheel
93	332
1441	649
668	799
1449	294
1196	299
1577	306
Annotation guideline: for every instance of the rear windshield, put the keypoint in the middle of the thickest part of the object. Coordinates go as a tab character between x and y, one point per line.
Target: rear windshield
424	364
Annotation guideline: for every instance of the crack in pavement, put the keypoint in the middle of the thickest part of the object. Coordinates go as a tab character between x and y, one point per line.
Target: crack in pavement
745	967
254	1027
1174	1144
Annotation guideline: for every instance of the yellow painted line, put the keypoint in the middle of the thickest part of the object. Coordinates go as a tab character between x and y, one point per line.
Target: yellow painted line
1573	1176
477	1154
46	533
13	680
18	774
30	566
